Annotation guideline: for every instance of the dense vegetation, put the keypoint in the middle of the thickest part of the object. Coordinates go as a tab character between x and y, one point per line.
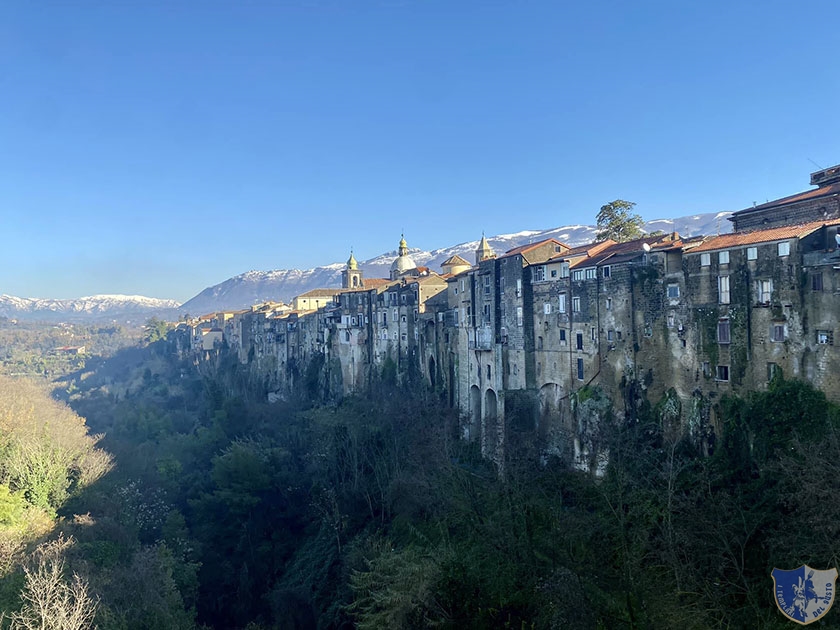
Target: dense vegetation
227	512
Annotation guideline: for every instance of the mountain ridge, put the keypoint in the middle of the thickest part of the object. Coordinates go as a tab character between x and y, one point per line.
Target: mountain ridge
104	306
254	287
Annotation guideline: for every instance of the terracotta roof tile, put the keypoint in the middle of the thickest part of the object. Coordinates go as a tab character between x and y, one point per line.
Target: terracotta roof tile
524	249
736	239
316	293
816	193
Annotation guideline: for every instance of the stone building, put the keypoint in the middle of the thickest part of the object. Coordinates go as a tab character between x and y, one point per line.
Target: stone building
818	204
542	344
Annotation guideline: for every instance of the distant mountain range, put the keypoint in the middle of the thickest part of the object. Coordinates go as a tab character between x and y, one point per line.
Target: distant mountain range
255	287
128	307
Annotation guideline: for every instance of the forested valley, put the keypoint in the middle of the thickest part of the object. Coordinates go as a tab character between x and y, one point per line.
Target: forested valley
158	496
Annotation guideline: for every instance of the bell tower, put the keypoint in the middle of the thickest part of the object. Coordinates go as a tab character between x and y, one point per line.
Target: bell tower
352	277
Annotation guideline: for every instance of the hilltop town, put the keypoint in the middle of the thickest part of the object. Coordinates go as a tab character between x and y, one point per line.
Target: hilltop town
539	344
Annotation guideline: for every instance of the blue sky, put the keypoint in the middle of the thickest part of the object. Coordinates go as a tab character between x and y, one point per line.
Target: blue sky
160	147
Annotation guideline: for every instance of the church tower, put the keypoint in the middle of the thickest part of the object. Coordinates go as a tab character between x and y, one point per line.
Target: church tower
484	251
403	264
351	276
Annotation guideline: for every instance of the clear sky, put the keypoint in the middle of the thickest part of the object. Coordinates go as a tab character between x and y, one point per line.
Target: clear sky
158	147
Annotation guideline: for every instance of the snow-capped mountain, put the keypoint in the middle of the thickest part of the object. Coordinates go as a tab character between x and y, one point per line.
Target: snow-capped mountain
254	287
93	306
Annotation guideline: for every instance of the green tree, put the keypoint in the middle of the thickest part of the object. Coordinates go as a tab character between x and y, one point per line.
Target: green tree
617	221
155	329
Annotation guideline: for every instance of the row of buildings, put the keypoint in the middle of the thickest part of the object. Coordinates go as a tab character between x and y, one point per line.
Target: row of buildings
539	345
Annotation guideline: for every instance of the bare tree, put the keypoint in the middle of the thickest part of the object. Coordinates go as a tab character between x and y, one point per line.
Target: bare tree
51	601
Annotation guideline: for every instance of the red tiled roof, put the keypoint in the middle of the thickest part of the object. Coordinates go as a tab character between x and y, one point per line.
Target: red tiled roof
318	293
375	283
590	249
725	241
816	193
524	249
629	249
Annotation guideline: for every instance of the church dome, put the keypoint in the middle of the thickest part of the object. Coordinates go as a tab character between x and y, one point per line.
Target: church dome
351	262
403	262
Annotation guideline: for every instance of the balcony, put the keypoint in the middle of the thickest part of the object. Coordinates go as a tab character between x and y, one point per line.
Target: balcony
481	338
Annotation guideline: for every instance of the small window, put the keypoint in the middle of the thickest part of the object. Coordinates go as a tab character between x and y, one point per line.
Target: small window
752	253
518	287
488	371
591	273
577	275
772	370
575	305
518	315
539	343
606	271
723	289
563	336
723	258
671	319
673	291
564	270
579	341
547	308
765	291
705	260
777	332
561	303
352	321
816	282
580	369
486	285
609	304
825	337
553	273
594	334
610	335
396	315
722	373
539	273
723	331
784	248
416	315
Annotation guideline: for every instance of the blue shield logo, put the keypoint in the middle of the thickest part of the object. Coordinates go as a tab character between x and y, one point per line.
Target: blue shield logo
804	594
